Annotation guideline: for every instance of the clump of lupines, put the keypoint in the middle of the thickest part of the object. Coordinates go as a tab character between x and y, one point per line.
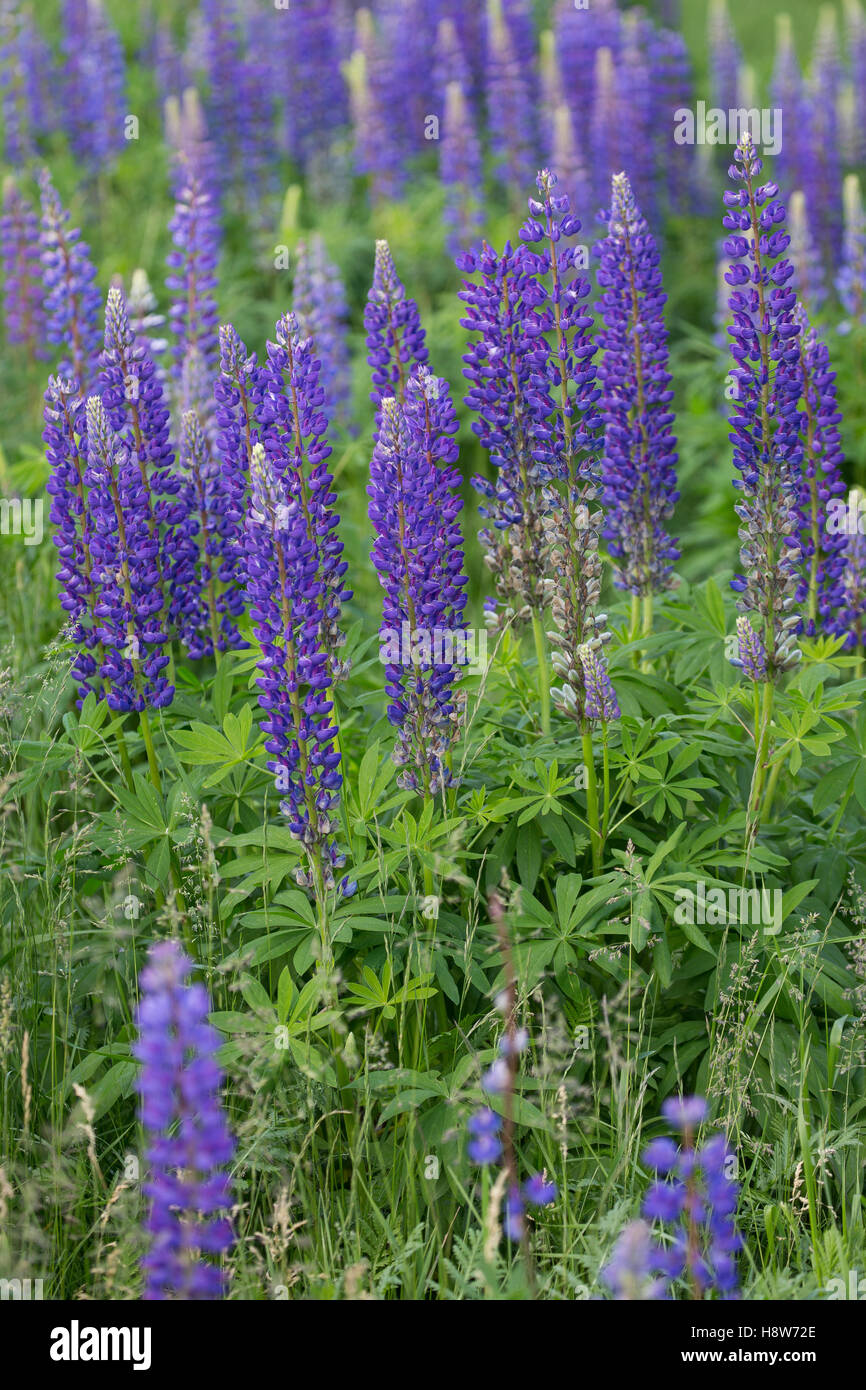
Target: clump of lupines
188	1142
19	255
395	338
418	555
319	302
239	102
765	422
695	1196
293	420
491	1133
503	364
640	447
819	481
851	281
125	555
72	301
193	314
461	168
316	105
285	598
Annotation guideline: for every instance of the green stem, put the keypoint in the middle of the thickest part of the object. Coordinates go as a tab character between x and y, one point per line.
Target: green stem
543	672
124	758
762	743
152	764
591	797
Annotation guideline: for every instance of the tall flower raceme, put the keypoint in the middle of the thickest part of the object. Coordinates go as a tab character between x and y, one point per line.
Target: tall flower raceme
764	425
72	301
819	483
65	438
125	556
695	1198
316	105
765	435
418	554
319	301
93	79
491	1131
193	315
822	169
788	94
503	364
239	102
206	573
606	125
293	420
461	168
855	25
639	448
395	338
238	391
188	1143
15	107
509	102
379	152
285	598
19	254
851	280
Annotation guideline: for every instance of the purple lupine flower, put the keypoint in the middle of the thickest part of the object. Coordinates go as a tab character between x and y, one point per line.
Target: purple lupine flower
285	598
193	315
851	280
514	1223
395	338
485	1145
319	302
606	126
240	106
630	1272
313	88
637	89
135	406
293	420
765	422
206	577
419	558
640	448
144	317
238	391
93	78
788	95
19	254
822	166
65	438
725	56
669	63
450	63
188	1142
512	424
125	555
751	655
698	1198
539	1192
407	30
819	481
579	35
379	151
509	103
803	254
72	301
461	169
600	699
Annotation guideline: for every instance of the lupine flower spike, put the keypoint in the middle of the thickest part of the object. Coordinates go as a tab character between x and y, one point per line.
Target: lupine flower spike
395	338
187	1139
694	1195
640	448
19	254
72	301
